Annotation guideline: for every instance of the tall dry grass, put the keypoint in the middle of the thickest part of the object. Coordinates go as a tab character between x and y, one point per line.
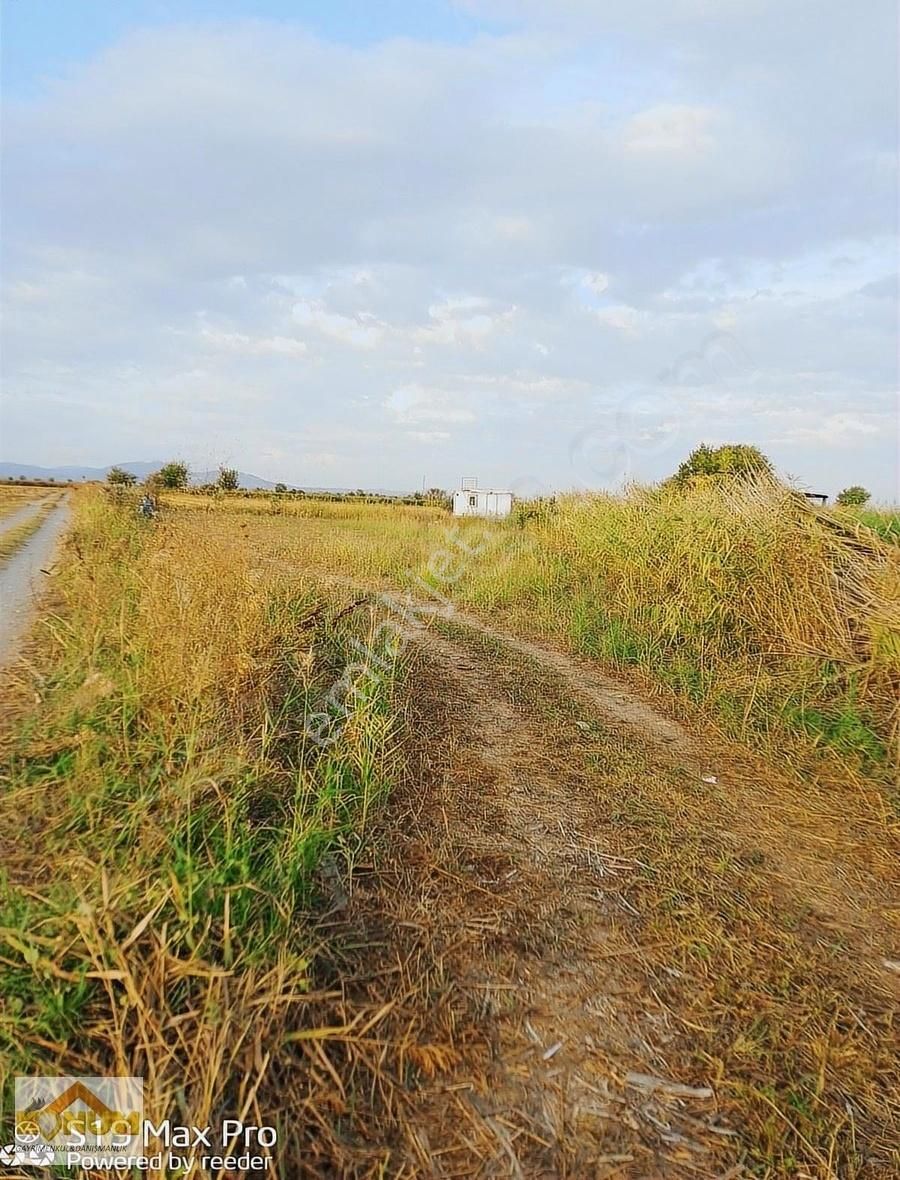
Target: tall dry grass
164	821
170	815
781	619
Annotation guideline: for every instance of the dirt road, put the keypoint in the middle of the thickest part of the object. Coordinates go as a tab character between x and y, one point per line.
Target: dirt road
21	573
616	947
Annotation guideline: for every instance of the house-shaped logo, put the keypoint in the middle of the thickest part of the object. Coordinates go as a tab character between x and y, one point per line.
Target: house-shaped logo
79	1114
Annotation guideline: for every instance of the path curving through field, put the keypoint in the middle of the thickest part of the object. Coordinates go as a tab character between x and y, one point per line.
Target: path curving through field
587	939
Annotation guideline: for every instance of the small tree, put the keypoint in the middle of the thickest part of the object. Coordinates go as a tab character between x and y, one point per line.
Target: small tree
853	497
173	475
740	460
438	498
118	477
228	479
281	488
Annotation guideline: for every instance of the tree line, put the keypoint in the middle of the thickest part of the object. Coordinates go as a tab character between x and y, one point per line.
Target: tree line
704	464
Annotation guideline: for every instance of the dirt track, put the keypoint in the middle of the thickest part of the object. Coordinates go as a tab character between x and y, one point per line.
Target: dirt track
570	918
21	573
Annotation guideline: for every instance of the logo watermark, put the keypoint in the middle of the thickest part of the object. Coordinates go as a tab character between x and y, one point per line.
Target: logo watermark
65	1120
98	1124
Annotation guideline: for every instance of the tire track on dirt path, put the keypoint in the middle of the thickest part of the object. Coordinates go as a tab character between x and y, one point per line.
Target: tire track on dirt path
604	965
818	843
590	1024
503	870
610	697
562	902
825	844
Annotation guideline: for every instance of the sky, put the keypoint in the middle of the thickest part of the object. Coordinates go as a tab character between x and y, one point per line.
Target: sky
379	245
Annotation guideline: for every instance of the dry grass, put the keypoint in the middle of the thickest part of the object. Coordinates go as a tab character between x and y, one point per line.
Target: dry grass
168	816
303	508
781	623
547	883
190	893
740	599
757	921
885	522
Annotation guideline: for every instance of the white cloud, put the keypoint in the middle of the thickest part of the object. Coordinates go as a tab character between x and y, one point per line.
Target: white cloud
428	436
837	430
253	345
488	244
419	403
621	318
469	320
361	331
596	282
671	129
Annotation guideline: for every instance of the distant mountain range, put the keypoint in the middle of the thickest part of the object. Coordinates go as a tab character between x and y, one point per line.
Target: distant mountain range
142	470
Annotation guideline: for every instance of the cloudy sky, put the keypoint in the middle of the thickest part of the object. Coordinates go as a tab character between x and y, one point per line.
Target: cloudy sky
548	244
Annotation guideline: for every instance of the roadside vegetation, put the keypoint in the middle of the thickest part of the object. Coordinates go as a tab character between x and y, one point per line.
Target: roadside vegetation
164	815
775	618
174	842
780	622
883	521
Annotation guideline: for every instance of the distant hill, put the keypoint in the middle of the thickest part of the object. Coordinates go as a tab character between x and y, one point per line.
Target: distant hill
141	470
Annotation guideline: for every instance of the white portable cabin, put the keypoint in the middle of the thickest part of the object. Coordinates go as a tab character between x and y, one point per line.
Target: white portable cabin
471	500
